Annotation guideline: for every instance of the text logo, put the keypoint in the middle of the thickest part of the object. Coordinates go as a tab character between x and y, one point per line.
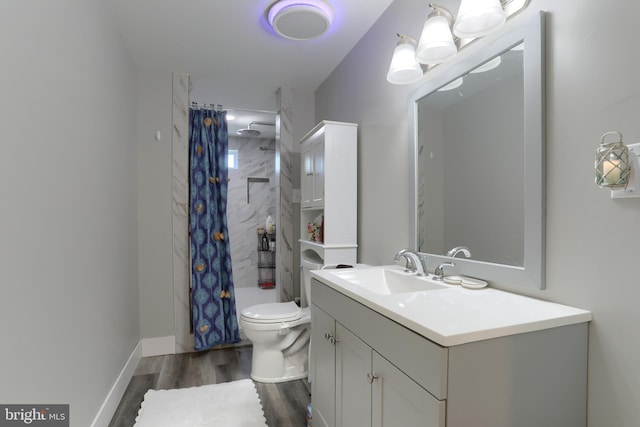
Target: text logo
34	415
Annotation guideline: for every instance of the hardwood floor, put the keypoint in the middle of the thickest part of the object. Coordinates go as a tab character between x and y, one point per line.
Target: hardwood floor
284	404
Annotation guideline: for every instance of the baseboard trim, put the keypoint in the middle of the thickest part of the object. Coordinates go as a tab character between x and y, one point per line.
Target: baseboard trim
110	404
158	346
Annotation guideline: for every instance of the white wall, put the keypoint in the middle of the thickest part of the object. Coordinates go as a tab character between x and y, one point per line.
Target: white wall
68	245
592	70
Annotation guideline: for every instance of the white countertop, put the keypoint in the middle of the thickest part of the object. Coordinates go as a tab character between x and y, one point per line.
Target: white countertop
455	315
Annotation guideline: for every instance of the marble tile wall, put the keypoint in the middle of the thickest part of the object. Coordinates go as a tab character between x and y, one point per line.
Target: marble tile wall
288	269
245	216
180	167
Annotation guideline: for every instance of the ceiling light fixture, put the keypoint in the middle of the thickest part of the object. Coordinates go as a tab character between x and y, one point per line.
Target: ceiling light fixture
300	19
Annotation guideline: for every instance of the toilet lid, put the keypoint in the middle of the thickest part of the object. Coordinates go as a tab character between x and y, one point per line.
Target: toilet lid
274	312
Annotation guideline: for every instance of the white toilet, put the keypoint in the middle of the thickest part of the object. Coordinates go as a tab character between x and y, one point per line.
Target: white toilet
280	333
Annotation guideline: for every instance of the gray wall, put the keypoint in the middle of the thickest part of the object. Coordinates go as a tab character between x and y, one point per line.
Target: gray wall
155	272
68	245
592	69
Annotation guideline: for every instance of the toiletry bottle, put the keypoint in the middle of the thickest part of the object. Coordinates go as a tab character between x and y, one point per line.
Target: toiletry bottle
270	225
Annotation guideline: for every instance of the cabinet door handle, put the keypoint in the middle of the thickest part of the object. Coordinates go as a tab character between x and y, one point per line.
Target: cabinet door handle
371	377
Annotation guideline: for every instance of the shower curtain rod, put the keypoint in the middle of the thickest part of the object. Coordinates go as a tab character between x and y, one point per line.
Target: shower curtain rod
220	107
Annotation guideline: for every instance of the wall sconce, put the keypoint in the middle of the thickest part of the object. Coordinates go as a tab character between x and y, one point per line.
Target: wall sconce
617	167
437	44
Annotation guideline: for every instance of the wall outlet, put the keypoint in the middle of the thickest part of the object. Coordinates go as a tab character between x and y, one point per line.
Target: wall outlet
633	187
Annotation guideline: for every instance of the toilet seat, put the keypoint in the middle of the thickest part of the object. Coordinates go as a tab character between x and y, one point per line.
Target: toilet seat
277	312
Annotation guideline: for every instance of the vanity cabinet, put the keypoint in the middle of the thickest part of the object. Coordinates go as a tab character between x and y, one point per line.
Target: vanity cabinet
353	385
369	370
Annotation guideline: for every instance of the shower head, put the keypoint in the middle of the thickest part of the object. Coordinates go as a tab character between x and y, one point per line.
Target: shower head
253	132
248	132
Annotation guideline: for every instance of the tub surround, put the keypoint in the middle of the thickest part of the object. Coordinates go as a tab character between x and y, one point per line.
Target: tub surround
454	315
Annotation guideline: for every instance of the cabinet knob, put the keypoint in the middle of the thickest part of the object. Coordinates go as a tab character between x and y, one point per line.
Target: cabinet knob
371	377
329	337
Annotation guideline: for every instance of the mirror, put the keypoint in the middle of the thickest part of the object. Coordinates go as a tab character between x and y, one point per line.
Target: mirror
478	157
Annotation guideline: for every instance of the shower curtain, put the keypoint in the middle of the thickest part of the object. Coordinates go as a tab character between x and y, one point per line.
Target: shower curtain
212	295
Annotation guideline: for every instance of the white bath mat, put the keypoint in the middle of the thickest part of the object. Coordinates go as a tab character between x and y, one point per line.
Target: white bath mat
234	404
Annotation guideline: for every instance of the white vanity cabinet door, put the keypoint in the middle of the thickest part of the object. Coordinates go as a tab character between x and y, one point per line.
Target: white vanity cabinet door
353	389
323	368
398	401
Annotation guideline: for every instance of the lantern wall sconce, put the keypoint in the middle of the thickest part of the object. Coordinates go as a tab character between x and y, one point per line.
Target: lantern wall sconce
618	167
443	36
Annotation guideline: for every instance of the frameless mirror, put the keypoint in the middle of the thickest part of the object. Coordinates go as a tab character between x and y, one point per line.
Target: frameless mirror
478	133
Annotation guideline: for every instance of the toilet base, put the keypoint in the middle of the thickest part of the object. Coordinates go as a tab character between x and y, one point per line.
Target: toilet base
274	366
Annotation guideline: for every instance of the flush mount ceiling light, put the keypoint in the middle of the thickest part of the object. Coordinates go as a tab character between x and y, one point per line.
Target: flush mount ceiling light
300	19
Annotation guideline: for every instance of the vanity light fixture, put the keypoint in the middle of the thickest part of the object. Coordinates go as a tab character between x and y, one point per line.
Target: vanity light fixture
440	33
436	42
477	18
617	167
300	19
404	68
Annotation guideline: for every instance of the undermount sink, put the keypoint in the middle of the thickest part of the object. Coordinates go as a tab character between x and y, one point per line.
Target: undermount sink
384	281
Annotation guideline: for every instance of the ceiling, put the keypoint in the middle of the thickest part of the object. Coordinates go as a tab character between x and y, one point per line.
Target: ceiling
231	42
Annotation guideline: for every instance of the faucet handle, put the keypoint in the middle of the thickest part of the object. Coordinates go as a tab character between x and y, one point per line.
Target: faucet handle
439	273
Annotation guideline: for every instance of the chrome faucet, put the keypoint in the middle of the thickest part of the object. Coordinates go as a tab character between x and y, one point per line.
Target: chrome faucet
439	273
415	260
455	251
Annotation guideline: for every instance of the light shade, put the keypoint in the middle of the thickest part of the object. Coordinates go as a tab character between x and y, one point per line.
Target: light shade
300	19
404	68
477	18
436	42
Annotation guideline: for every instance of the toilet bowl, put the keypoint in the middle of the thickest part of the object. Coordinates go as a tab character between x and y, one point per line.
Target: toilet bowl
280	333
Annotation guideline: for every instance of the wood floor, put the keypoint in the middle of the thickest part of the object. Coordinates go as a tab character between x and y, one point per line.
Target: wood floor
284	404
